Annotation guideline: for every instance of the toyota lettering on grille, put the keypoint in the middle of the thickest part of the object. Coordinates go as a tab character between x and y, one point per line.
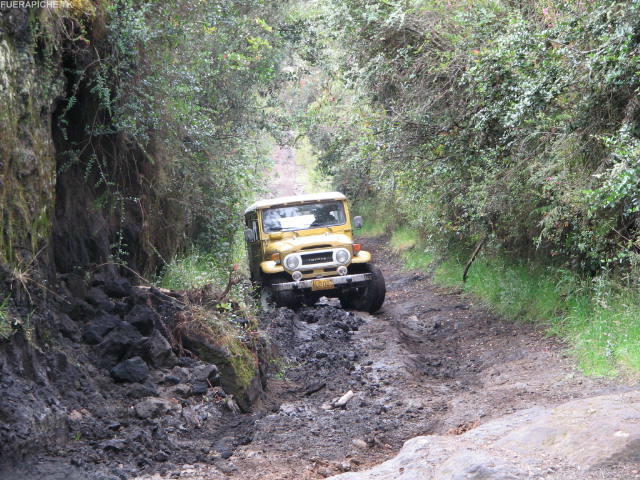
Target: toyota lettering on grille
316	258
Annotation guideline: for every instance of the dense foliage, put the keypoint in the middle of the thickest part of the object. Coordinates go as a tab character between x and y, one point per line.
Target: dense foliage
183	94
517	120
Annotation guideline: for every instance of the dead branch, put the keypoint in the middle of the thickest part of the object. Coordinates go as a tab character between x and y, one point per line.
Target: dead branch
473	257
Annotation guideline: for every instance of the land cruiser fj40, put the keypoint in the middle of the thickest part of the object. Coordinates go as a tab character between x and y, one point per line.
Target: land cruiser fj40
301	248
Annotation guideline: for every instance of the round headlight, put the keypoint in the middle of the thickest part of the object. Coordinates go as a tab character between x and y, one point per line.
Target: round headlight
342	256
292	262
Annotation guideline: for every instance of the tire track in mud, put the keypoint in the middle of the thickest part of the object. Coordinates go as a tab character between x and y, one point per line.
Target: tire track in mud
430	362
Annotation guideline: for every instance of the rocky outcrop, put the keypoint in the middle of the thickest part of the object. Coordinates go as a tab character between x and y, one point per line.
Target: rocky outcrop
576	436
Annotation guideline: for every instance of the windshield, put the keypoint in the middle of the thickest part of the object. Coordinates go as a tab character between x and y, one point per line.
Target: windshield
302	217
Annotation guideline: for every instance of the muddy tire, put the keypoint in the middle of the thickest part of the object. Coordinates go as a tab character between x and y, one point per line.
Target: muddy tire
286	298
346	301
371	297
266	298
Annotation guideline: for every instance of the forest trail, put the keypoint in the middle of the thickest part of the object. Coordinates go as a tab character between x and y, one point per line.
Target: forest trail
431	362
288	177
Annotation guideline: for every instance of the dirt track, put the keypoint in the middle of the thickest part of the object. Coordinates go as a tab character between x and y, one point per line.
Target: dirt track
430	362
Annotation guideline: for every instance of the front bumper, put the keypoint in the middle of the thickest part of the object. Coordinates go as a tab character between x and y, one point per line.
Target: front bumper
341	281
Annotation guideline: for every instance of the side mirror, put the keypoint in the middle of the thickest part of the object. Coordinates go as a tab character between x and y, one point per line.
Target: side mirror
357	222
249	235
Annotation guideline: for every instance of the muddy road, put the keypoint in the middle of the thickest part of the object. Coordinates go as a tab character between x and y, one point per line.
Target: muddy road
430	362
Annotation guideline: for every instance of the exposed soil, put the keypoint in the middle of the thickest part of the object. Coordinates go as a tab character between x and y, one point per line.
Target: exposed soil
288	176
430	362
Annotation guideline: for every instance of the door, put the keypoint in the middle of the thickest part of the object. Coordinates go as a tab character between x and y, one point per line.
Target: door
253	248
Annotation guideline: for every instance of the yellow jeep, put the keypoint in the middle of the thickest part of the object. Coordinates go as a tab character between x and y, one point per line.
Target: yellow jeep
301	248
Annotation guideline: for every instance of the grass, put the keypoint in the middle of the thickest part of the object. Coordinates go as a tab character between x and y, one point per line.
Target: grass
196	268
599	319
5	325
375	223
193	270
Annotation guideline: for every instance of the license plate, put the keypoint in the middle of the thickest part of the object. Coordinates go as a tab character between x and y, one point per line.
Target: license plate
322	284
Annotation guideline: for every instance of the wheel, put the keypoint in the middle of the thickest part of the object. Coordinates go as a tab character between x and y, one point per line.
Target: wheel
266	298
372	296
346	300
283	298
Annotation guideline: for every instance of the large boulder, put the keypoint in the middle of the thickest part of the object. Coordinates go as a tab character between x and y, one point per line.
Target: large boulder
117	344
156	350
238	368
575	436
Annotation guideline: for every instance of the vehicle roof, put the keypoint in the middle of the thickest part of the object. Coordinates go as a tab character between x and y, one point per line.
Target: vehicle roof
312	197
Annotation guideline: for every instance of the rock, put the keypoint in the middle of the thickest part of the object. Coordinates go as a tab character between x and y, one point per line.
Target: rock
205	373
161	456
155	350
182	389
100	326
180	372
193	419
115	445
239	374
226	454
98	298
143	318
187	362
583	433
132	370
67	327
359	443
75	416
314	387
170	380
199	388
473	465
142	390
586	432
76	284
118	288
78	309
117	344
155	407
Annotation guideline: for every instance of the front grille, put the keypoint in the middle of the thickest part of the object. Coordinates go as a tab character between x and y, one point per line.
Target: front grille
316	258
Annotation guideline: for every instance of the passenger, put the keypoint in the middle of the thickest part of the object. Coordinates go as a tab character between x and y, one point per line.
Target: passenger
272	221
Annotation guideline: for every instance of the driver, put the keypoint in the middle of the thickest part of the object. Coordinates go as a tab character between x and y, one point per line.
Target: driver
272	221
323	216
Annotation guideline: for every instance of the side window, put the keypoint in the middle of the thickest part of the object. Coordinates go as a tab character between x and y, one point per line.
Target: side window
254	227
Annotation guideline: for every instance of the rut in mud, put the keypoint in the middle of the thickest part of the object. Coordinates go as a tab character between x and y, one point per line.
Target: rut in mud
430	362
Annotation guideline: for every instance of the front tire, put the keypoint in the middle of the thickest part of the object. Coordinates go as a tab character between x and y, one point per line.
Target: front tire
283	298
371	297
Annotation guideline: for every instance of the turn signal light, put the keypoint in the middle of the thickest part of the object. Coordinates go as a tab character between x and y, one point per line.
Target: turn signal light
356	247
276	257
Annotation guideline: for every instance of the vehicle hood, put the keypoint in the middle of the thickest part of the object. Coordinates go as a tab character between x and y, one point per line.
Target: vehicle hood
293	242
